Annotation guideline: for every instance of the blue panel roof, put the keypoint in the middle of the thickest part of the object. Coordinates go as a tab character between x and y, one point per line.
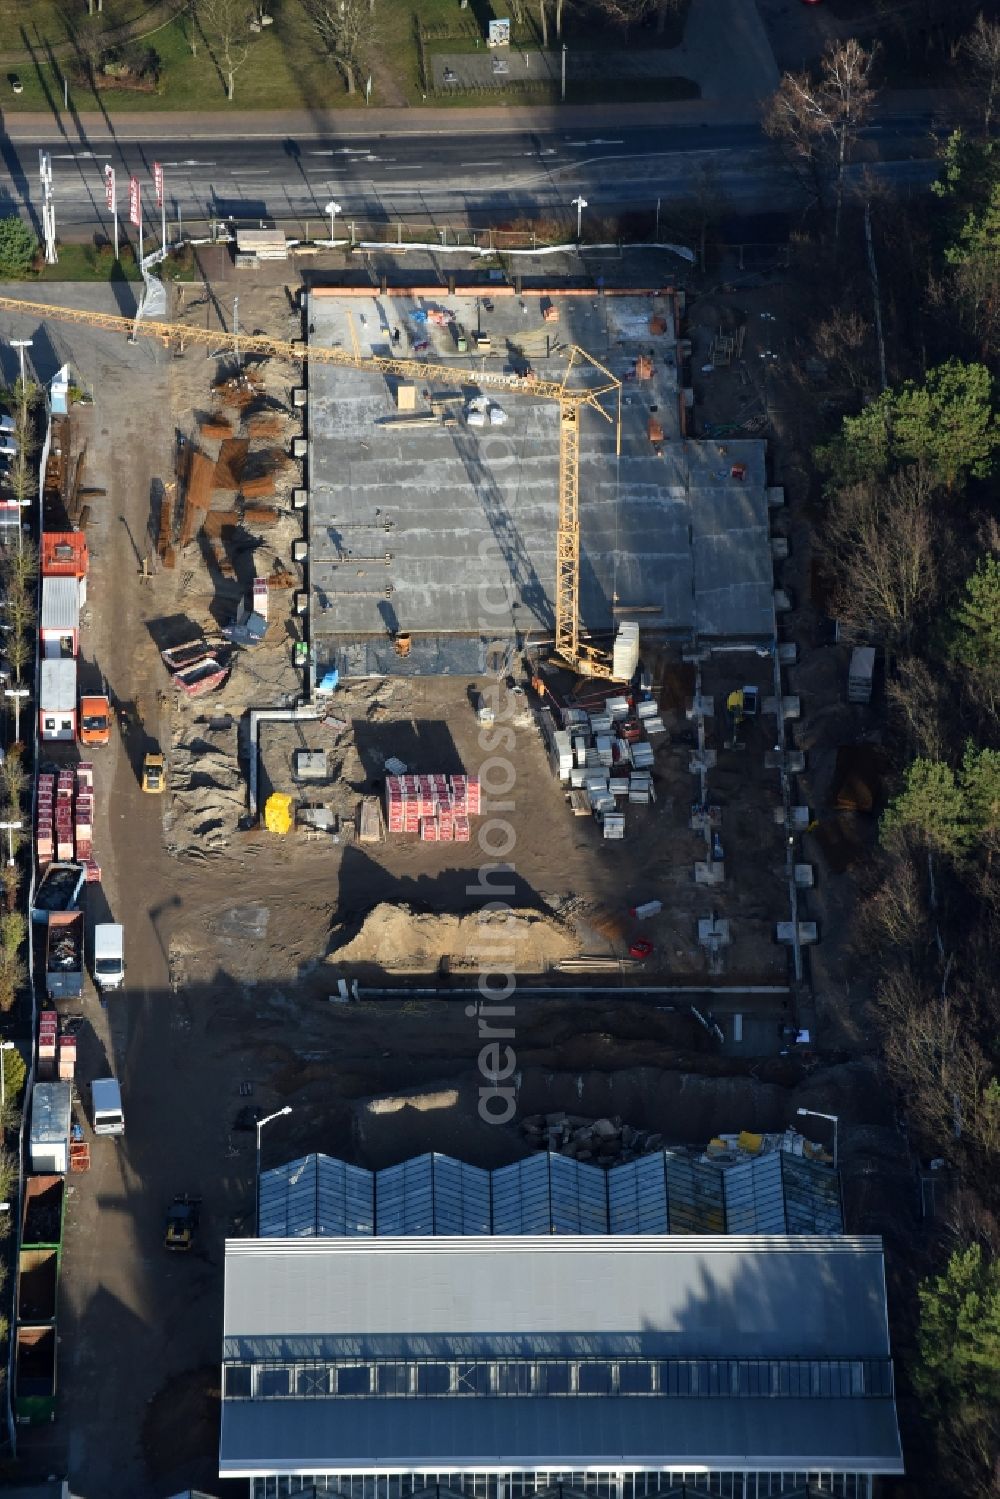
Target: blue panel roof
668	1192
316	1196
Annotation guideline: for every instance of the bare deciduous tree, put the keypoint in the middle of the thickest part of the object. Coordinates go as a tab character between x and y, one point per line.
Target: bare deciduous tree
819	119
343	27
980	53
880	545
227	25
844	342
625	13
918	702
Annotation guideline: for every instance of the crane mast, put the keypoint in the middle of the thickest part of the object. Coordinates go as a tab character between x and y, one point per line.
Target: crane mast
575	653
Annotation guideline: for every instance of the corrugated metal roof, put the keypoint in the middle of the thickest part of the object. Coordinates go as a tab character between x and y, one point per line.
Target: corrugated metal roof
60	604
514	1434
741	1296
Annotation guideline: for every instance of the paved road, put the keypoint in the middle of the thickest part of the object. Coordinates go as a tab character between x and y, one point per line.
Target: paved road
395	168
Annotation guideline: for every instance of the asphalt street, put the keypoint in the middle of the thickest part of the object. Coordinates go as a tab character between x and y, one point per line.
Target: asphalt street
416	173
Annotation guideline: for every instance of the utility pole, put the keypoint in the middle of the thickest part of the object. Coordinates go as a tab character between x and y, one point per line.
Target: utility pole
563	90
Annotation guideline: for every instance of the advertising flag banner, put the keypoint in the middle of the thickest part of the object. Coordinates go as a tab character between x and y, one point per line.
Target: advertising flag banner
109	188
158	183
134	211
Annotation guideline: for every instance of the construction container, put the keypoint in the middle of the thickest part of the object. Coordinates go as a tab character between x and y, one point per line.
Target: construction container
51	1110
57	700
59	627
65	555
43	1212
35	1375
37	1285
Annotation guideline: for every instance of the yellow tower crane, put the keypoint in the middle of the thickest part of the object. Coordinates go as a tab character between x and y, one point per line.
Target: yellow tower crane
570	648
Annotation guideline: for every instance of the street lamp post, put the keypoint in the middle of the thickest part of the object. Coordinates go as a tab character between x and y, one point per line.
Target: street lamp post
333	209
834	1119
10	828
579	204
260	1125
4	1046
17	693
562	92
20	344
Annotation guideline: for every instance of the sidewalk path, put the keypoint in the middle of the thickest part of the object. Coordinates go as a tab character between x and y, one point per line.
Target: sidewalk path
726	50
293	124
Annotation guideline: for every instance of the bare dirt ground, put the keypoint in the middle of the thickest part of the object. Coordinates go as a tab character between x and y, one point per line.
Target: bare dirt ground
226	1007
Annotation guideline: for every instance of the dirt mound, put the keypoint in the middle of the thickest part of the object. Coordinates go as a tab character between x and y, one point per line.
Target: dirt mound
857	779
401	939
207	794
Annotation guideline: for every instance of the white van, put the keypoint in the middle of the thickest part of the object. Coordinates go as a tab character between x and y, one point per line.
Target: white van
109	956
106	1097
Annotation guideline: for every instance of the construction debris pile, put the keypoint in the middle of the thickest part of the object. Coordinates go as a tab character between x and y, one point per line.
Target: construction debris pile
607	1142
610	1142
395	938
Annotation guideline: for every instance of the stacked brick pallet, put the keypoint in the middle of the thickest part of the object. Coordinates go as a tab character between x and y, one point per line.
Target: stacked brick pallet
48	1041
437	807
64	825
56	1053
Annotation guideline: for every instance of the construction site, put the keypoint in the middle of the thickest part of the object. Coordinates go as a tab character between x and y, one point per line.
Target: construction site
479	521
411	581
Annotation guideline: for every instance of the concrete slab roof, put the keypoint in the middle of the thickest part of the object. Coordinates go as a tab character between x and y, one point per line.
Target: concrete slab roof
445	531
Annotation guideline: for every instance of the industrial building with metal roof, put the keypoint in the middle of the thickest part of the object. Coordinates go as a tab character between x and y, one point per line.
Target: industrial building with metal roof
396	1332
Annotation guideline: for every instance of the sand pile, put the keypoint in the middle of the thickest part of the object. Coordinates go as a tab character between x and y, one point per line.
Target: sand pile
397	938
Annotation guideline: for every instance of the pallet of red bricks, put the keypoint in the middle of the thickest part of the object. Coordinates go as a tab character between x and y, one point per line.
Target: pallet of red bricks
64	818
437	807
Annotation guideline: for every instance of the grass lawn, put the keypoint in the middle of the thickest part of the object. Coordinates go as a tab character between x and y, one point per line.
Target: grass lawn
81	263
284	69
